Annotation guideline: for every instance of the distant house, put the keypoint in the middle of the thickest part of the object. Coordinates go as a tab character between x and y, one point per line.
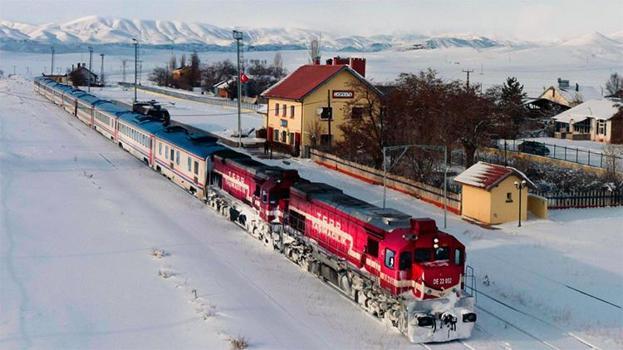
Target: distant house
595	120
489	194
59	78
221	89
180	72
83	73
569	95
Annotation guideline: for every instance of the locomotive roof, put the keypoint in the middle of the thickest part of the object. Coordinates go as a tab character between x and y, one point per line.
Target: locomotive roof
249	164
384	219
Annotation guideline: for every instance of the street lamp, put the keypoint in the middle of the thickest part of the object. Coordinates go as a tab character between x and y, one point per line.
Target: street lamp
90	67
135	66
520	186
238	36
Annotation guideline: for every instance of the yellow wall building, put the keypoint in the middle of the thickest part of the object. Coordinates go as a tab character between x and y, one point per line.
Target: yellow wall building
489	193
295	115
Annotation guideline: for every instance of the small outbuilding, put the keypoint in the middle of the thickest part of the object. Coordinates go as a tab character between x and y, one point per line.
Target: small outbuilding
490	193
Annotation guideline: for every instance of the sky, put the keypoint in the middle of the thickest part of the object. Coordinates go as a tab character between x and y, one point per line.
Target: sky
513	19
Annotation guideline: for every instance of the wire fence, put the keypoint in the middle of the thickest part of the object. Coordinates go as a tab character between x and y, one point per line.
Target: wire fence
569	154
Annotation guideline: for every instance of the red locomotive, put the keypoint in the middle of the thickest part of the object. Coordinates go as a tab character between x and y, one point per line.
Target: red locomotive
398	268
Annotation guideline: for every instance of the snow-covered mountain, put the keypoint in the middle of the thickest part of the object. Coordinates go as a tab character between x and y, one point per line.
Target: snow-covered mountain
94	30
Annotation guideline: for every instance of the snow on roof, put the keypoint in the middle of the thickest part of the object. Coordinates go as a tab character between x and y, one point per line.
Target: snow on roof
603	109
584	93
487	176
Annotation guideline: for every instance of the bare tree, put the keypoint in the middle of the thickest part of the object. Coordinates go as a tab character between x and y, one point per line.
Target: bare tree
614	85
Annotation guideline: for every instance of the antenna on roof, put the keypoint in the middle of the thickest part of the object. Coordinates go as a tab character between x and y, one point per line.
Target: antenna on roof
314	51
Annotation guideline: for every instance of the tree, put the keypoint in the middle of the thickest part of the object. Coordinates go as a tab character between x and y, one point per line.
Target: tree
195	74
160	76
183	61
614	85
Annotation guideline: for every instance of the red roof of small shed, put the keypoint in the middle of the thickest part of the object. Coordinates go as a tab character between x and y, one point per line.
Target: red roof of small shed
487	176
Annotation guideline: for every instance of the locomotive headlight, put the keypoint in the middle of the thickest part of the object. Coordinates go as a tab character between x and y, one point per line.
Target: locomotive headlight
435	245
436	240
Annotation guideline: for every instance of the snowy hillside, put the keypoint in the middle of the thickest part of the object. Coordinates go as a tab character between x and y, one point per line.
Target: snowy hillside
97	30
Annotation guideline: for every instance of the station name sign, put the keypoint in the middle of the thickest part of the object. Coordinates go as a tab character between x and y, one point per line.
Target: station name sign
343	94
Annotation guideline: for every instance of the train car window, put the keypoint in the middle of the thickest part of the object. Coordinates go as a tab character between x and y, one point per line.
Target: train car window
458	257
389	258
373	247
190	164
166	152
177	157
405	261
159	148
442	253
422	255
172	154
196	168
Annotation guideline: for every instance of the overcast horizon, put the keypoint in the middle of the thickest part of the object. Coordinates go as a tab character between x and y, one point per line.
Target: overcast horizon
520	20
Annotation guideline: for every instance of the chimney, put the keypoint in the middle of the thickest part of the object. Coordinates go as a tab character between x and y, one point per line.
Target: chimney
356	63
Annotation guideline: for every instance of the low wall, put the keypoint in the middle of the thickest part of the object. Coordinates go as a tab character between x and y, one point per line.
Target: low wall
419	190
537	205
204	99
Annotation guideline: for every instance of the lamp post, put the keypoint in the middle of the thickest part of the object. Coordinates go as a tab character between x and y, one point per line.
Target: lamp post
52	65
135	66
102	70
90	67
238	36
520	186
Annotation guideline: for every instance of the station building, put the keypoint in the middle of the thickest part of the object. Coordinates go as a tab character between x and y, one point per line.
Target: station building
307	107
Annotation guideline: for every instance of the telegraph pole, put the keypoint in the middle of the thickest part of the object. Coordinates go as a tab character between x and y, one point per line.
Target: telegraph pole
52	70
123	69
90	67
468	71
102	70
135	66
238	37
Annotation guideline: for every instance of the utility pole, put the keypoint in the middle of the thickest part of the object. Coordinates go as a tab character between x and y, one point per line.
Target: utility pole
520	186
52	70
238	36
102	70
135	67
330	116
468	71
123	62
90	67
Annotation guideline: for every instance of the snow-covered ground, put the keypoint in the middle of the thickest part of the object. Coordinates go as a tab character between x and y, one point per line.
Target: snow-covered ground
79	217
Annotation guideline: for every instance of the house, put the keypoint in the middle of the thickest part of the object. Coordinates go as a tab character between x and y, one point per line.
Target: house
594	120
178	73
569	95
59	78
489	194
82	73
221	89
307	107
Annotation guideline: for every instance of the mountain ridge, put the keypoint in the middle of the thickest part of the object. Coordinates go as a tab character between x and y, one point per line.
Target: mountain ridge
113	31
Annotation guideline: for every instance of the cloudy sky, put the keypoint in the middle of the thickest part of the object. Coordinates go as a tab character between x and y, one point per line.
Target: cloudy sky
516	19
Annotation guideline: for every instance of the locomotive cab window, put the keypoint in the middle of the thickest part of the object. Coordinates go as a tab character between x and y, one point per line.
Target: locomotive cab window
373	247
458	257
390	256
405	261
422	255
442	253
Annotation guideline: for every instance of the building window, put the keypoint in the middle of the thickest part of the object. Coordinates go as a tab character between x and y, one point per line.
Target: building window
276	135
509	197
283	136
291	138
276	108
601	127
356	113
291	111
284	110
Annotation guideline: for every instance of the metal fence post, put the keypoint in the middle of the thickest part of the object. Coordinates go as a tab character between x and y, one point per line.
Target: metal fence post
589	157
554	151
576	155
565	152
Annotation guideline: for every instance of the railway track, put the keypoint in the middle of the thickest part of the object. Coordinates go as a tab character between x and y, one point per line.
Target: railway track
533	324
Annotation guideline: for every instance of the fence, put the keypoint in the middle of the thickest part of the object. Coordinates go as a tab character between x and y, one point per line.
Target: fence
219	101
584	199
420	190
569	154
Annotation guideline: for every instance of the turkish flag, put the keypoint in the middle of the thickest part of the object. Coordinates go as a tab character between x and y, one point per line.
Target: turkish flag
243	78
